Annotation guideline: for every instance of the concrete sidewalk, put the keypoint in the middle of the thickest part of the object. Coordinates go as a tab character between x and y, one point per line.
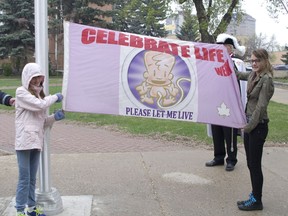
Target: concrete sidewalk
166	183
106	173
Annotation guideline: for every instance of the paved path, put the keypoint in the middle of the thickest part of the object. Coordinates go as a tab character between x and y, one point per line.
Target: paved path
280	95
68	138
105	173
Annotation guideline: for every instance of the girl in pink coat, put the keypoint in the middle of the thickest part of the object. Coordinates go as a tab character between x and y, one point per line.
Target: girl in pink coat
30	122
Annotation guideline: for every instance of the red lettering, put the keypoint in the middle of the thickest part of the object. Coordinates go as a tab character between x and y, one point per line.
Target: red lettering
205	54
88	36
201	54
197	53
101	36
220	55
212	54
164	47
136	41
224	70
150	44
174	48
123	39
209	54
112	38
185	51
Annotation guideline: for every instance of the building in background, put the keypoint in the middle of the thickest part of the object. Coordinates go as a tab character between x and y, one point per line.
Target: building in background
244	29
173	24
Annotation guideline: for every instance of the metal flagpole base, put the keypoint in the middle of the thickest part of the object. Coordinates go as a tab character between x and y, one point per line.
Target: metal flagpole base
49	202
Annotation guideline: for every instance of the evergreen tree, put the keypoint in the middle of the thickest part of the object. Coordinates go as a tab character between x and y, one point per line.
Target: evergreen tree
284	58
122	15
56	15
87	12
189	31
143	17
17	31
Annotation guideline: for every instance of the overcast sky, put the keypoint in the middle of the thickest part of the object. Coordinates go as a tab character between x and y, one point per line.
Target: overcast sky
266	25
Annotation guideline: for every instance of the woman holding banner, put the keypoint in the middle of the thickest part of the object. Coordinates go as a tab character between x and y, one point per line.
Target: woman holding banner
260	89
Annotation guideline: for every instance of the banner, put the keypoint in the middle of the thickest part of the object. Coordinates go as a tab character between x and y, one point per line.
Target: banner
119	73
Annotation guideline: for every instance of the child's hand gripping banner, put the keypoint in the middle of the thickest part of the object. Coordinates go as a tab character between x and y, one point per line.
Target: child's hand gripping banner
119	73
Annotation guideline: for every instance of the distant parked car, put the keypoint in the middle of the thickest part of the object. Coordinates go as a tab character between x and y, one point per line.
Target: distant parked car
281	67
248	68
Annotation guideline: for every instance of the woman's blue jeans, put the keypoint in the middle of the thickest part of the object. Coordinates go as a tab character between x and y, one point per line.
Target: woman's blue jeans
28	163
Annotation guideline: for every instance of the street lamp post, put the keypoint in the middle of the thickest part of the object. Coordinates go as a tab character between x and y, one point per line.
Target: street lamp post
47	198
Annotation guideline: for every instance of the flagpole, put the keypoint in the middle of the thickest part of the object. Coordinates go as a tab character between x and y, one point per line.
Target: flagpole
47	198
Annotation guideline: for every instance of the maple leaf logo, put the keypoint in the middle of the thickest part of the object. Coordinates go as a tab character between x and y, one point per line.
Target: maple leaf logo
223	110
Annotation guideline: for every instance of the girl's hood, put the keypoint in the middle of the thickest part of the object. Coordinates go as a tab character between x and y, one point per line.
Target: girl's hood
29	71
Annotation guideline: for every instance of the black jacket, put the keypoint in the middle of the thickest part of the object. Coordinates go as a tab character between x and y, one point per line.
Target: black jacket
4	98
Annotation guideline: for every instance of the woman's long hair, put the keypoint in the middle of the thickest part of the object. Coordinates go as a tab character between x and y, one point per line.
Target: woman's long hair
262	54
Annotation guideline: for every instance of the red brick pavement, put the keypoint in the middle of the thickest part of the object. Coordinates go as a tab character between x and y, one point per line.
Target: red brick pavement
69	137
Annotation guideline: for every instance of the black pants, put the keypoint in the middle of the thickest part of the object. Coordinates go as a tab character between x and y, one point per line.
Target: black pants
254	142
222	135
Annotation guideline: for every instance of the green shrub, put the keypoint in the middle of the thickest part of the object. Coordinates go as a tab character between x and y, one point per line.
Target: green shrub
7	69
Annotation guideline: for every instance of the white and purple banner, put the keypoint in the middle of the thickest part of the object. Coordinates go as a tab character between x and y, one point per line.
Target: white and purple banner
119	73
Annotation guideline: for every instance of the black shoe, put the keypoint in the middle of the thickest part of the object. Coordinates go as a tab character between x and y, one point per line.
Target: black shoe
253	207
229	167
214	163
251	204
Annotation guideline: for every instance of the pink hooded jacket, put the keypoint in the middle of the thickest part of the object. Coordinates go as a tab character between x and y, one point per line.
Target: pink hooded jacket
31	112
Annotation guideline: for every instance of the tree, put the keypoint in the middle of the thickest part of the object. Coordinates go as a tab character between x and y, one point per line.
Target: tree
189	30
284	57
87	12
260	41
143	17
276	7
17	31
215	15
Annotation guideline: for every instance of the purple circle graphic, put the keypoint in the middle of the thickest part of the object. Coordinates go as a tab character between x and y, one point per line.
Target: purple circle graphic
155	94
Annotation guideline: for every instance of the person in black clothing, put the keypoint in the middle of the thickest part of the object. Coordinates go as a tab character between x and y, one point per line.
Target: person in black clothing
260	90
222	134
6	99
